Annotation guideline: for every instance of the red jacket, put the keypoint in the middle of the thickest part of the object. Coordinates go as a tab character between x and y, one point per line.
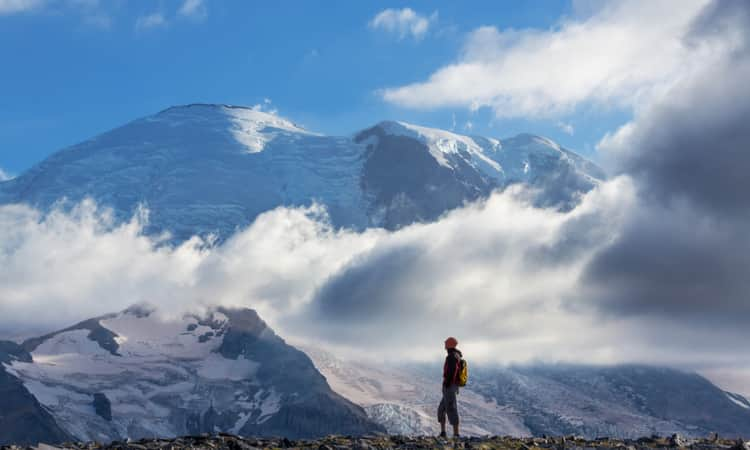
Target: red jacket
452	367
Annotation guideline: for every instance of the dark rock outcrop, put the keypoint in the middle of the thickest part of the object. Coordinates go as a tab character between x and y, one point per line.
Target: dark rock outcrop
102	406
409	184
97	333
22	419
310	407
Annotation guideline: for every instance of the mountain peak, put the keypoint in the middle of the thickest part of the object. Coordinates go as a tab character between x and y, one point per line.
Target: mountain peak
212	168
251	126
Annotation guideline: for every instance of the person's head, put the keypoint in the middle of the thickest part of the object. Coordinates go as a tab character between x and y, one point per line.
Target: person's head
451	343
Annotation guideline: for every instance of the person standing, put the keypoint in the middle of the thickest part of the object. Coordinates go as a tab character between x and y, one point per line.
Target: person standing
451	382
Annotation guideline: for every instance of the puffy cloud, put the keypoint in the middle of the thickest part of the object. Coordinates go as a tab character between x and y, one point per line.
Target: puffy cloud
620	54
18	6
496	273
266	106
153	20
685	252
506	277
403	22
566	128
91	12
195	9
61	267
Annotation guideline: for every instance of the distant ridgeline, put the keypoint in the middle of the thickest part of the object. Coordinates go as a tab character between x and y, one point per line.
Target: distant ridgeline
135	375
211	168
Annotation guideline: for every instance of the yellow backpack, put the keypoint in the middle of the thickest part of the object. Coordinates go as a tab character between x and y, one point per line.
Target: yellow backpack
463	373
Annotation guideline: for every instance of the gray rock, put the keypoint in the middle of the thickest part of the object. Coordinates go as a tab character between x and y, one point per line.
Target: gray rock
102	406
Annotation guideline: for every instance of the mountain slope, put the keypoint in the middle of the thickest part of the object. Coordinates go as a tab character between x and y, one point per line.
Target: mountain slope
212	168
150	376
22	419
619	401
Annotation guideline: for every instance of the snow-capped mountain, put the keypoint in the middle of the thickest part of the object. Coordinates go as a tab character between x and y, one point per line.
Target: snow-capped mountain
619	401
213	168
135	374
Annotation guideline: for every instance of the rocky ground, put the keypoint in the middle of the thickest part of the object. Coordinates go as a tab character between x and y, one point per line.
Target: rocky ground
229	442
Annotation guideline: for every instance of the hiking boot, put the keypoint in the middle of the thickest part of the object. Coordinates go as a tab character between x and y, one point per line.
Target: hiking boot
443	435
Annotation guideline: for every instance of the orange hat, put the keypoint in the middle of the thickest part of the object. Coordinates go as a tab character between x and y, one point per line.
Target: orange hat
451	342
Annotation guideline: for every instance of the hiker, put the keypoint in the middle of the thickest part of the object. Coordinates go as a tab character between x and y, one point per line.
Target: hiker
454	376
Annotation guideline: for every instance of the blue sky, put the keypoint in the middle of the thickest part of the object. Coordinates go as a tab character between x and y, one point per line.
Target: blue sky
74	68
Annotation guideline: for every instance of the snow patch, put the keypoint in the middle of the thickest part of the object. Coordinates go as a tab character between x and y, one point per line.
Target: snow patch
270	405
738	402
441	143
255	129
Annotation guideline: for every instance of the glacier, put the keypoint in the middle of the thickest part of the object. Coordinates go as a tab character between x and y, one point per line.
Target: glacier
207	169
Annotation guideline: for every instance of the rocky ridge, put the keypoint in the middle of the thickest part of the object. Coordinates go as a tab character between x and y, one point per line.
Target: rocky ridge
231	442
135	374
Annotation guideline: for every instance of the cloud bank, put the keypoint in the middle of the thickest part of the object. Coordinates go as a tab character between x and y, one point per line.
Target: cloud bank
620	54
685	251
474	273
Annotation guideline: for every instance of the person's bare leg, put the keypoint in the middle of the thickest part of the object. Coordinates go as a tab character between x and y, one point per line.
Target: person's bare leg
442	428
455	430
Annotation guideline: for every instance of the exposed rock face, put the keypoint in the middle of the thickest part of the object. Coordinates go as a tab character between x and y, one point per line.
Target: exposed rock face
311	407
408	184
102	406
97	333
23	420
414	173
223	371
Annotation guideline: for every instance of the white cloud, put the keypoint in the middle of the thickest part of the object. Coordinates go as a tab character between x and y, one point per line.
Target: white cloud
502	283
91	12
8	7
195	9
501	274
566	128
403	22
61	267
4	176
622	53
153	20
266	107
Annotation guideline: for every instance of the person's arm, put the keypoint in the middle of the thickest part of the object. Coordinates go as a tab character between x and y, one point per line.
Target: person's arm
445	371
449	370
